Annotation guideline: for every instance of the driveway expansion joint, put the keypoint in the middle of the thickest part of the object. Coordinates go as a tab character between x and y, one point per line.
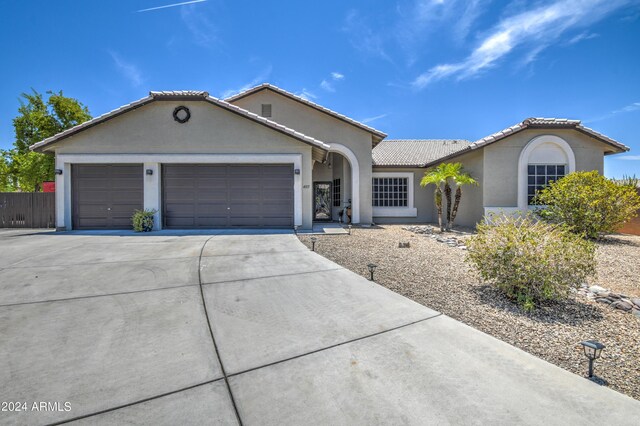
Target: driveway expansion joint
140	401
274	276
213	339
334	345
97	295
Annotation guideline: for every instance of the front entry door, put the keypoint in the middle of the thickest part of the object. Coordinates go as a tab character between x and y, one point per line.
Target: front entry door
322	201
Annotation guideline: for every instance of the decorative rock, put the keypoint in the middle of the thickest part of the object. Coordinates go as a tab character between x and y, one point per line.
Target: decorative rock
404	245
636	301
636	312
614	296
625	306
465	247
598	289
603	300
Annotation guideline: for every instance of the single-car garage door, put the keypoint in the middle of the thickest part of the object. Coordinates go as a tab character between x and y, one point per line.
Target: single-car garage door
227	195
104	196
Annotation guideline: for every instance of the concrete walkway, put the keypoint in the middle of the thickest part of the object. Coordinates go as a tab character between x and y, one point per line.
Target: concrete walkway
200	328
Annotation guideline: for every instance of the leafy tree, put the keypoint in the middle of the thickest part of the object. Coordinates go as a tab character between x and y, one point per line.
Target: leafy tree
37	120
6	180
444	175
589	203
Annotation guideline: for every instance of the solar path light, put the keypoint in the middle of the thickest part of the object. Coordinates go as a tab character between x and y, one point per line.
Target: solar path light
592	350
372	267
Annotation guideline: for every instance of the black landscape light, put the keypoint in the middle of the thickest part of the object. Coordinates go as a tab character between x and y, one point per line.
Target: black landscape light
372	267
349	226
592	350
149	172
313	243
58	171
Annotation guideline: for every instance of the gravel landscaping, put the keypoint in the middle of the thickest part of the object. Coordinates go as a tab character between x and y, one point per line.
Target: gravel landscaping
434	273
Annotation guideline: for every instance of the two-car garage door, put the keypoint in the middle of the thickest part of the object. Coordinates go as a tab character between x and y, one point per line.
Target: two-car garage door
227	195
104	196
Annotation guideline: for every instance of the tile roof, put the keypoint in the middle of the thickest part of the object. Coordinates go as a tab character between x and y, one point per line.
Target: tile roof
547	123
276	89
178	95
416	152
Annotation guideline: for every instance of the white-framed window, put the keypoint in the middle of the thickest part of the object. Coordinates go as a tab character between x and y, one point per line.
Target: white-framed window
392	194
337	200
539	153
540	175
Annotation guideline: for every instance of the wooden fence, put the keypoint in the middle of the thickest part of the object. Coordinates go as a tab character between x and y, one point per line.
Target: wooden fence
633	226
27	210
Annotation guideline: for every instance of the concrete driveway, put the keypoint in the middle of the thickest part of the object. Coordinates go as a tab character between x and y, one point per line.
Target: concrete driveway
172	328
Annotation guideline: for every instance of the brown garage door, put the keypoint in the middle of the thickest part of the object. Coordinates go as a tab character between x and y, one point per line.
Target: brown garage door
227	195
104	196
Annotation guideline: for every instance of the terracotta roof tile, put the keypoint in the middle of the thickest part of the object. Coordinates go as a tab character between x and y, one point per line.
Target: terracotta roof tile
415	152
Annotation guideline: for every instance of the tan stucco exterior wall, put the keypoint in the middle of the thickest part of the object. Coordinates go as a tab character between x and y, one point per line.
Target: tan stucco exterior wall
470	211
323	127
151	129
501	162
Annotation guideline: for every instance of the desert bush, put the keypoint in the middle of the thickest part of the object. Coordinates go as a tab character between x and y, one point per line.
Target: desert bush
530	260
589	203
142	220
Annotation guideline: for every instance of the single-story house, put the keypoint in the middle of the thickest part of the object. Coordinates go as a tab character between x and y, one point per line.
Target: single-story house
269	158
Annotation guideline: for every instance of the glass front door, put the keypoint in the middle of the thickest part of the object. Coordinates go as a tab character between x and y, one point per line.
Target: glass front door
322	201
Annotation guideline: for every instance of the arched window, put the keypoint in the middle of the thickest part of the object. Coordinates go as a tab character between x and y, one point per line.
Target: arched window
544	159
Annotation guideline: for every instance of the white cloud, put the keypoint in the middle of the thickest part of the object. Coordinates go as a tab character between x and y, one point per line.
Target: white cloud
363	37
306	94
202	30
328	83
260	78
171	5
635	106
327	86
127	69
372	119
583	36
628	157
535	29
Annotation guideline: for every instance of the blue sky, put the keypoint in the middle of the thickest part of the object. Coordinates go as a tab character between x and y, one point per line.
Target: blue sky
413	69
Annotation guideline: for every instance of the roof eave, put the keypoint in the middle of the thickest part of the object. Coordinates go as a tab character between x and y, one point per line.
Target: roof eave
43	144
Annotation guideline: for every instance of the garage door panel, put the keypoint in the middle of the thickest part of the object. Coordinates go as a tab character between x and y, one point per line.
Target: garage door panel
228	195
104	196
180	209
179	222
211	209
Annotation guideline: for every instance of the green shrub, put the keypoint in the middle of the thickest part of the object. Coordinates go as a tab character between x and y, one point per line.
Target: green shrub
530	260
588	203
142	220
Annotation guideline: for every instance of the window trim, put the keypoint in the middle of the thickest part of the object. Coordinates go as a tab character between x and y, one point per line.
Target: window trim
523	163
409	210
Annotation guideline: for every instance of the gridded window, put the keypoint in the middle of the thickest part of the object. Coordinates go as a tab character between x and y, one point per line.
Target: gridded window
266	110
390	192
539	175
336	193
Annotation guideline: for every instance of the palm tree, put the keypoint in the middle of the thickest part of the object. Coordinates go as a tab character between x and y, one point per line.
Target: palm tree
444	174
437	176
461	178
